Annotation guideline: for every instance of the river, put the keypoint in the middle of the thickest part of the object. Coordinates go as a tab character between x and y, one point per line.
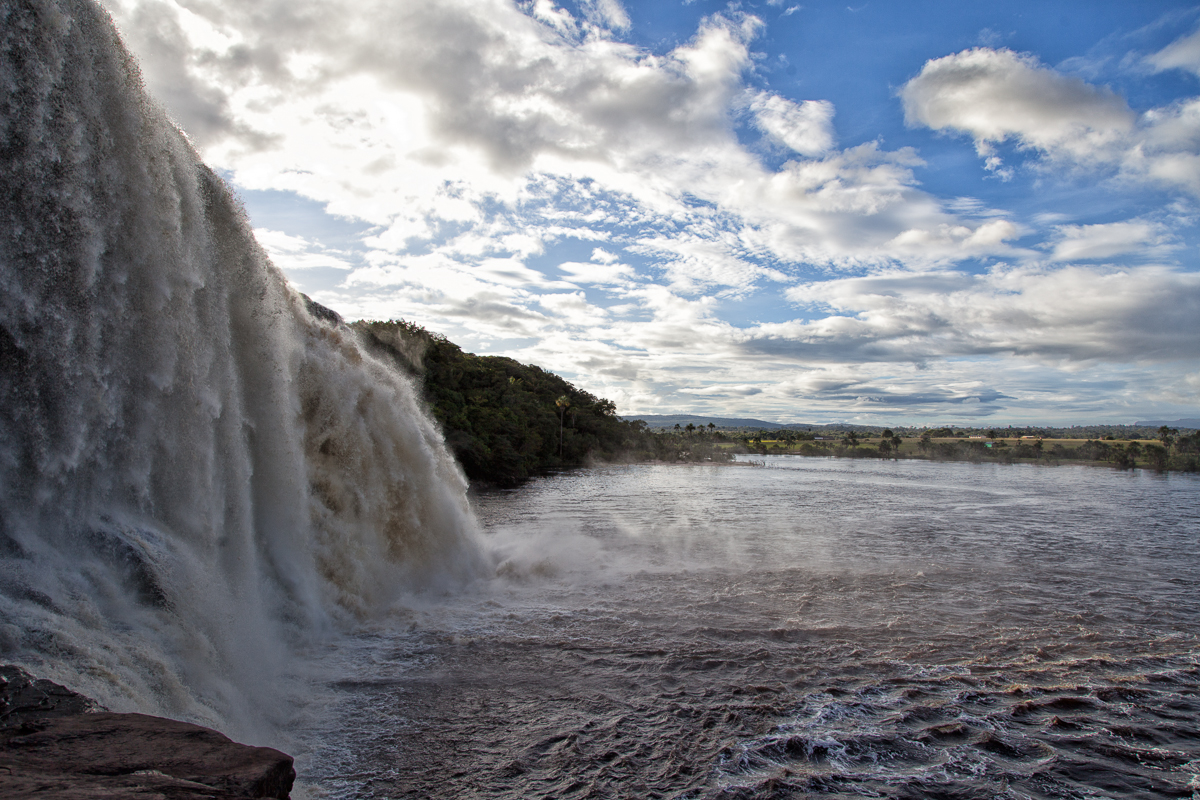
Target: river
799	627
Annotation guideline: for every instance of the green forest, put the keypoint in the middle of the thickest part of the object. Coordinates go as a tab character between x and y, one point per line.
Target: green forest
506	421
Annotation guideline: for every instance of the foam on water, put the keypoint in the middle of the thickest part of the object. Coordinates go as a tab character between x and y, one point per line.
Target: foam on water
196	475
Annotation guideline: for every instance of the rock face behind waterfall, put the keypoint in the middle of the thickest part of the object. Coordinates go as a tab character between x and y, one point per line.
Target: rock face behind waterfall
195	473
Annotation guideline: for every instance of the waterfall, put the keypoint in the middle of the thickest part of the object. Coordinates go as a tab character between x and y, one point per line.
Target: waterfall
197	476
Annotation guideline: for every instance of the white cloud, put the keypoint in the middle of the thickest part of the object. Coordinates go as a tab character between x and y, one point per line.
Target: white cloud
959	240
296	252
725	390
513	272
419	118
875	344
607	13
998	95
598	274
806	127
695	263
1106	241
1183	53
555	17
574	308
1066	314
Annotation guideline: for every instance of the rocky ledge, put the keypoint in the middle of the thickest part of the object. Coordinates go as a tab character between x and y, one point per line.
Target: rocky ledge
59	745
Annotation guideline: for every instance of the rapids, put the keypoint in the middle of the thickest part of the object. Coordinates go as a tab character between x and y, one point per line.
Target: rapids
196	475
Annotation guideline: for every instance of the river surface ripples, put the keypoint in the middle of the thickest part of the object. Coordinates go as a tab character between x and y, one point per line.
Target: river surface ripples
807	627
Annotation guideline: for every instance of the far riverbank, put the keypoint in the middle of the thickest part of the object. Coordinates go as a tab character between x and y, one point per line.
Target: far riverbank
1176	454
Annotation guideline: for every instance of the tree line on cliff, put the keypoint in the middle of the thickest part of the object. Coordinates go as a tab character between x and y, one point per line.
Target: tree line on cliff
506	421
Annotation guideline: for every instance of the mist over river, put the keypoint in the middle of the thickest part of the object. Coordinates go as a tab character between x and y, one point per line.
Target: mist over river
806	627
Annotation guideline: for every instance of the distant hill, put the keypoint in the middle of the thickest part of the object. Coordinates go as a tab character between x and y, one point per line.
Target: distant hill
728	423
1178	423
671	420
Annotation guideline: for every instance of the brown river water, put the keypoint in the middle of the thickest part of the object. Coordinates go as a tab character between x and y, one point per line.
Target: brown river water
804	628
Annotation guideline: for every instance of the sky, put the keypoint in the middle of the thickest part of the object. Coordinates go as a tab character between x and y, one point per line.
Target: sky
880	213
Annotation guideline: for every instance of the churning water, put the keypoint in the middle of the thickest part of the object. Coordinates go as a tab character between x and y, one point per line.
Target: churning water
811	627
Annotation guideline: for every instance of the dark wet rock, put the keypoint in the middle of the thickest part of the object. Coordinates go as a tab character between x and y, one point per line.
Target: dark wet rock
327	315
24	698
128	553
56	744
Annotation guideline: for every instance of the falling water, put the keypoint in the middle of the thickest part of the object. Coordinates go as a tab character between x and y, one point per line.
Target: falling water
196	475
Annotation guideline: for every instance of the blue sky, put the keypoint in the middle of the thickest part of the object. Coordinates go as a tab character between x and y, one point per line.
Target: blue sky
878	212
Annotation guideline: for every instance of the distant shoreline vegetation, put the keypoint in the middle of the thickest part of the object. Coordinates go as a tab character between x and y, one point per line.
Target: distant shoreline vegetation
505	422
1170	451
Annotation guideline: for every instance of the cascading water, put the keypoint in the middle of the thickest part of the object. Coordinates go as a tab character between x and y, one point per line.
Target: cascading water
195	473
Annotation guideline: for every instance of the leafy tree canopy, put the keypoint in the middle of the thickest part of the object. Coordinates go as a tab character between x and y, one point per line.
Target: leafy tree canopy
505	421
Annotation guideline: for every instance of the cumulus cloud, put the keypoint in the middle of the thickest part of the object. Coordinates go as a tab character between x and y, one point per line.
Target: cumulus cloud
601	274
959	240
806	128
607	13
899	342
420	118
998	95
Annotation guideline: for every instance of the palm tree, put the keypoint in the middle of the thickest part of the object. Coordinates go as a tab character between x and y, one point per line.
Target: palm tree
563	404
1165	435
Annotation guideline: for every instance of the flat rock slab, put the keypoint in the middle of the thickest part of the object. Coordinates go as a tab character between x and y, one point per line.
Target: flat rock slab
24	698
50	750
